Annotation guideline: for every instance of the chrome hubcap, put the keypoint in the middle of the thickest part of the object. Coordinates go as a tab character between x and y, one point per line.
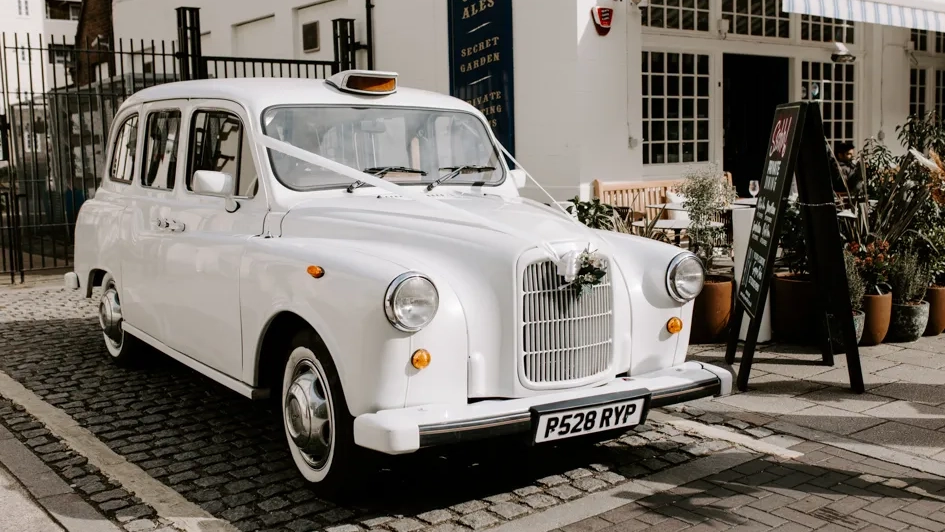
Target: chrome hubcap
109	315
308	414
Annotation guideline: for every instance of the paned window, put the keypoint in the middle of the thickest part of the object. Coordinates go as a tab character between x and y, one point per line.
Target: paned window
832	85
823	29
917	89
761	18
676	14
675	107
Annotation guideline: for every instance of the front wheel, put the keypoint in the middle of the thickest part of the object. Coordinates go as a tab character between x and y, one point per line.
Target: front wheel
318	427
122	346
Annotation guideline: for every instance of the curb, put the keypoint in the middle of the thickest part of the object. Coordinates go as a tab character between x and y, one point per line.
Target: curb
57	498
168	504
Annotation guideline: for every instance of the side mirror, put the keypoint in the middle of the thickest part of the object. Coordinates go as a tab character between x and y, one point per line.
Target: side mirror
220	184
519	178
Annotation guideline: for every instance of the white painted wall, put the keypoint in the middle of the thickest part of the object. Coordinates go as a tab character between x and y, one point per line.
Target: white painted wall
578	95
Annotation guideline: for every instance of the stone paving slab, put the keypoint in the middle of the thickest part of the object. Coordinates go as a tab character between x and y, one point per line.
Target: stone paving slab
903	409
827	489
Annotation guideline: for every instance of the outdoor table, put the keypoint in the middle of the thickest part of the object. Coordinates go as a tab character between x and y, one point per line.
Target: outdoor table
676	226
751	202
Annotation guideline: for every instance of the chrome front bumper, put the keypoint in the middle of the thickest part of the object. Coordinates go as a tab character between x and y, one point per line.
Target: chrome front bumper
406	430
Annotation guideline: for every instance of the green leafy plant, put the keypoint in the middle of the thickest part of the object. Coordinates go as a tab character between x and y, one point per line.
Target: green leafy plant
908	278
855	283
922	132
932	254
707	193
596	215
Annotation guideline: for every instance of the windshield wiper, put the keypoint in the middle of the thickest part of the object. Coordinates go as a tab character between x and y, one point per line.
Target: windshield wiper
381	171
456	170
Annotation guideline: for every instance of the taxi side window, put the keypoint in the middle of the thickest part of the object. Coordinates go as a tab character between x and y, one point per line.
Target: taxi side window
160	164
221	144
123	152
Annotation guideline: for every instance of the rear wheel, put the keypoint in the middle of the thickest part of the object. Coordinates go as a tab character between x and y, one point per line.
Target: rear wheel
318	427
123	347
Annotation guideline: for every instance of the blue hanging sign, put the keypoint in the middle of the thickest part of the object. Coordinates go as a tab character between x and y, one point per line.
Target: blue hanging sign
480	44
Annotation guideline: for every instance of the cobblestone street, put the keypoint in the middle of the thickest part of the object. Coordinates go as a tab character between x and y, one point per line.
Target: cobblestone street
225	454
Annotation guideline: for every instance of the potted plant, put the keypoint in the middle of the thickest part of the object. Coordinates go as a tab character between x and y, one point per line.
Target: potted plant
792	292
872	263
706	193
935	293
910	315
857	291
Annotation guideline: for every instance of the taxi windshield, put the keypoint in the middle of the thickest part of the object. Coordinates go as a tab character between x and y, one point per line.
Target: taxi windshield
403	145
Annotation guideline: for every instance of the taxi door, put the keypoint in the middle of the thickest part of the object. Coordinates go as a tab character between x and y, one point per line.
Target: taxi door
207	235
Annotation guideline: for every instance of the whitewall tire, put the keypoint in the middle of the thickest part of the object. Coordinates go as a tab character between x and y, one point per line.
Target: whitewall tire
318	427
122	347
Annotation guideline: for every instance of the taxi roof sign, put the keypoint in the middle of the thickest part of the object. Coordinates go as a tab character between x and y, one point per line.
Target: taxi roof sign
371	82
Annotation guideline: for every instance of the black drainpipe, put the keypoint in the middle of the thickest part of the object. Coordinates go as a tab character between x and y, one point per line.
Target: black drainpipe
369	8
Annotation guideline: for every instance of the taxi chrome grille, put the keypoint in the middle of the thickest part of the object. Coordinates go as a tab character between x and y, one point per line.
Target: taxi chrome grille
565	337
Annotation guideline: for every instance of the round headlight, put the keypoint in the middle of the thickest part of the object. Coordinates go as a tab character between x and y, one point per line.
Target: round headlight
685	277
411	302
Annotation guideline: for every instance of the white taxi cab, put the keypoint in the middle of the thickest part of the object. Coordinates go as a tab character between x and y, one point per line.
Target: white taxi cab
360	253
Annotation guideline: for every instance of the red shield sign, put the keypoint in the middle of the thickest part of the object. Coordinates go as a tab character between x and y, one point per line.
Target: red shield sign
603	18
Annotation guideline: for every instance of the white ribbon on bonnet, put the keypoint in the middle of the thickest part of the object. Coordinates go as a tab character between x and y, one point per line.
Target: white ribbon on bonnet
566	265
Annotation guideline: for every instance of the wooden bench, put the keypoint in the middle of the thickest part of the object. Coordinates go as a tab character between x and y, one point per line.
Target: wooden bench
636	195
631	198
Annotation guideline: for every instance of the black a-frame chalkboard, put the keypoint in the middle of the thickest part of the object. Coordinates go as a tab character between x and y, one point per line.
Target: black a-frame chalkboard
796	148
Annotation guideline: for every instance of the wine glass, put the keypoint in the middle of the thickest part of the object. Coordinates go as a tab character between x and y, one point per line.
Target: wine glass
754	188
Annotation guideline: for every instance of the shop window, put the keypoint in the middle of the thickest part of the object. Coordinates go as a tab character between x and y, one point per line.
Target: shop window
759	18
920	40
823	29
940	93
832	85
675	108
676	14
917	90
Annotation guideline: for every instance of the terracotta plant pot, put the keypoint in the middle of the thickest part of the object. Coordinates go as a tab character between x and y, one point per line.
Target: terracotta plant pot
878	310
792	299
859	320
907	322
712	311
935	295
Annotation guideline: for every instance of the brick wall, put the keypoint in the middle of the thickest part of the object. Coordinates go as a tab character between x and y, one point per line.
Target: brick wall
95	22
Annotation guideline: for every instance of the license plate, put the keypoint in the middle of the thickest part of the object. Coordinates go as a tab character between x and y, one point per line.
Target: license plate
562	422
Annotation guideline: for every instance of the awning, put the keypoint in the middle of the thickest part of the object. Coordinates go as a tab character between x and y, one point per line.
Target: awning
914	14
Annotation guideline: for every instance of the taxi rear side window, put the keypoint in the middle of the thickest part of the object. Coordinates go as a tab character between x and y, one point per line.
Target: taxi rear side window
160	150
123	152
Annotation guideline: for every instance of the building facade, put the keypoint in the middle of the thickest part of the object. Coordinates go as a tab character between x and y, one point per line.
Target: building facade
674	83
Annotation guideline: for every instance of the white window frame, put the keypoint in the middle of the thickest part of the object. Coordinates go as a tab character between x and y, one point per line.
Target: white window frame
23	8
794	49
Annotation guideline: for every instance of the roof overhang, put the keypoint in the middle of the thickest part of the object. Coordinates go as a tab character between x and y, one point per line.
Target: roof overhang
914	14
